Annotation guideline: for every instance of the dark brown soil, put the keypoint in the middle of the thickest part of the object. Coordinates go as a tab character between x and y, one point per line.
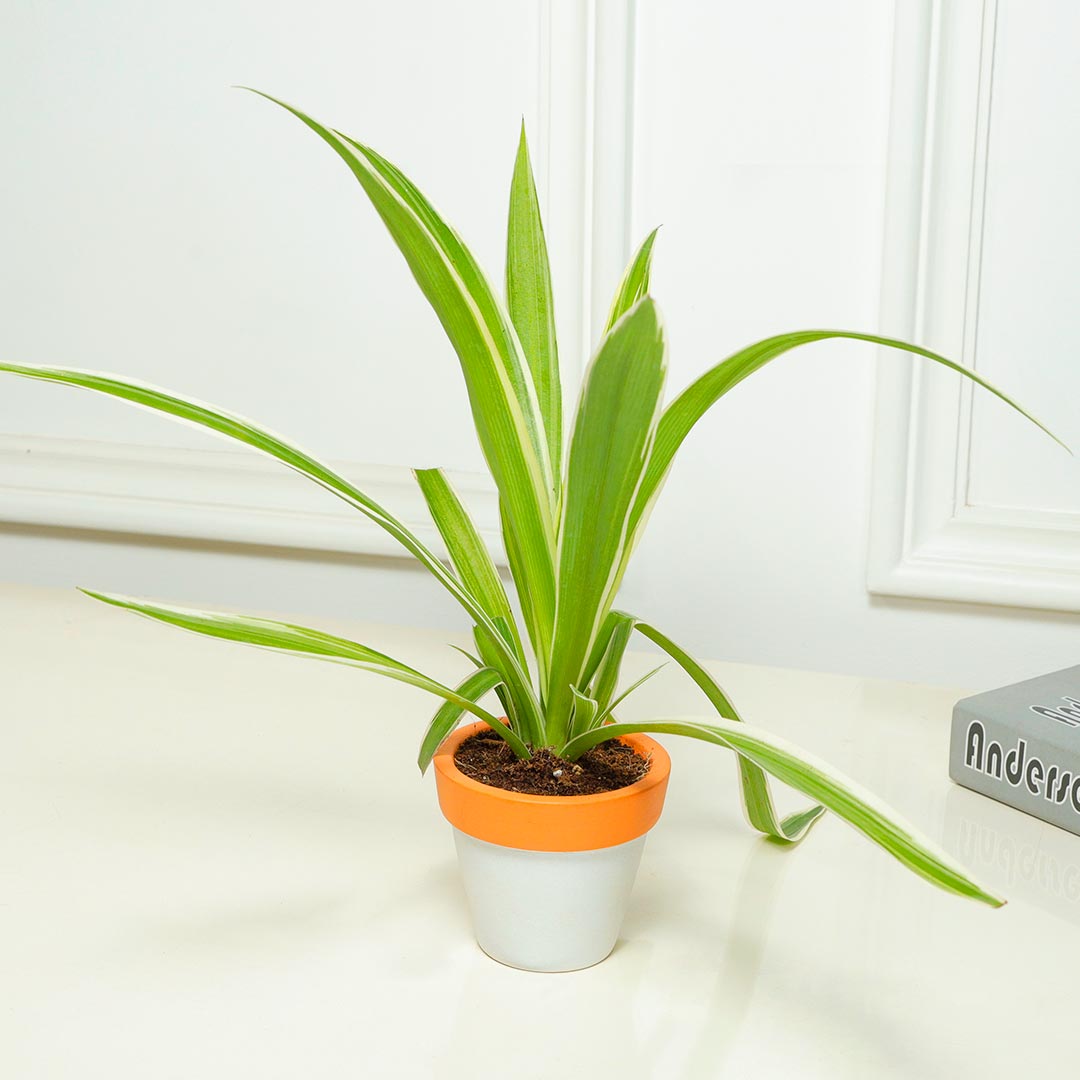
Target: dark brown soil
607	767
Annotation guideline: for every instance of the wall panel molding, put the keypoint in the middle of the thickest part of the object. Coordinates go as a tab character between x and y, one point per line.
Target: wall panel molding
224	496
584	84
926	539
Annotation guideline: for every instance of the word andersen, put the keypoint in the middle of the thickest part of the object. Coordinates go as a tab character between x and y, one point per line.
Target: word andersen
1016	767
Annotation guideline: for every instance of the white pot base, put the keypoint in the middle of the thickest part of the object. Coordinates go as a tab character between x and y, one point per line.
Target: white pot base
547	910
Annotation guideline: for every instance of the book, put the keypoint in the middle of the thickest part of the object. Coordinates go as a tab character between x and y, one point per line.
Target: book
1021	746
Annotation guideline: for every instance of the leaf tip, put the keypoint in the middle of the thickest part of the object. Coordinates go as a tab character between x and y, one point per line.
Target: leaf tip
523	162
984	895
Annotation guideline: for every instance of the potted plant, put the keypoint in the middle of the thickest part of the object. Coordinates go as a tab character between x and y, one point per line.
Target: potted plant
550	795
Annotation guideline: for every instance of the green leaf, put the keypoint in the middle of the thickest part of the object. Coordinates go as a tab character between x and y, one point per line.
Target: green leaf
505	408
526	721
600	646
287	637
691	405
606	678
538	629
473	687
529	298
603	716
635	282
756	797
504	404
244	431
239	429
474	660
808	774
602	676
468	553
584	713
612	436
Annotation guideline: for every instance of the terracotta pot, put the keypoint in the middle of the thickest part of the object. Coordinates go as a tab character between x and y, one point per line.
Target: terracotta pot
548	877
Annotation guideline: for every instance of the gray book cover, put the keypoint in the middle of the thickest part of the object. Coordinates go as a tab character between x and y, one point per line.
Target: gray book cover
1021	746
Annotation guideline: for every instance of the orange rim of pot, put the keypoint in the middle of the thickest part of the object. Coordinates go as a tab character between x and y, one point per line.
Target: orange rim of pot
551	822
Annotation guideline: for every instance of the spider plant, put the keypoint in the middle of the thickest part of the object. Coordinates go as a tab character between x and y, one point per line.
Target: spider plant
575	495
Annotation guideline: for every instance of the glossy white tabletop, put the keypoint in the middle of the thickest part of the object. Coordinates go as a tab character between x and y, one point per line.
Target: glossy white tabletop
200	877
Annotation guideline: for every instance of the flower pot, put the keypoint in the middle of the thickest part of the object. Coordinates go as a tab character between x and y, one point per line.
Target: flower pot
548	877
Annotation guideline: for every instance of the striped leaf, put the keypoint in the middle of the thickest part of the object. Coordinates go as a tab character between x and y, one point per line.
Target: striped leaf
524	720
474	660
635	282
612	436
607	713
468	553
600	646
756	797
584	714
234	427
808	774
474	567
473	687
505	408
602	676
532	613
302	640
239	429
691	405
529	298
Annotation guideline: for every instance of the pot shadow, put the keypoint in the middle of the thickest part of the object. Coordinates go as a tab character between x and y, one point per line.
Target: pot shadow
414	923
843	1012
739	964
311	880
565	1005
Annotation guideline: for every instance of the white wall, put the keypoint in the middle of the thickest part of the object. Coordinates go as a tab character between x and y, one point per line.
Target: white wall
758	549
157	224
